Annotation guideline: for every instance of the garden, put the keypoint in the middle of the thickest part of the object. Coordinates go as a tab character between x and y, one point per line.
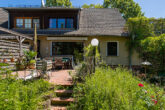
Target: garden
117	89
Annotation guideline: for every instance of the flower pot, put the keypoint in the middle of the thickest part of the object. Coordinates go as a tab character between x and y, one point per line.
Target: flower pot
20	67
4	60
12	59
32	66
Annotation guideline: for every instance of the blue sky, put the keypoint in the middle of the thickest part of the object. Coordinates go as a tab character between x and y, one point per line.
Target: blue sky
151	8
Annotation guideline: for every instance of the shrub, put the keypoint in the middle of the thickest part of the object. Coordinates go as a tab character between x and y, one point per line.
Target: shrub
20	95
117	89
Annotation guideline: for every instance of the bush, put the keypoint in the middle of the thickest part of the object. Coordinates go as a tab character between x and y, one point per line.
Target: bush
153	49
20	95
117	89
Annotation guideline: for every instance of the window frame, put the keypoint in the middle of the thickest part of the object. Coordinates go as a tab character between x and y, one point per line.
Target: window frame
15	22
117	49
57	18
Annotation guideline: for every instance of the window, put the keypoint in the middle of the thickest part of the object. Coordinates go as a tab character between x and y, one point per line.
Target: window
19	23
66	48
112	49
60	23
52	23
69	23
37	21
27	23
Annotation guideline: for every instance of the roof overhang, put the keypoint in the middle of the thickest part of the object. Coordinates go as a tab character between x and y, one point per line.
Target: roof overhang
10	9
15	33
68	38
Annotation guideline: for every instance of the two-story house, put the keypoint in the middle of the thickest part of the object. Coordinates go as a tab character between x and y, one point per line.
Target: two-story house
63	30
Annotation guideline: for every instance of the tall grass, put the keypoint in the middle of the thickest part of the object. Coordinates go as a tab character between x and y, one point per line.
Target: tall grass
117	89
20	95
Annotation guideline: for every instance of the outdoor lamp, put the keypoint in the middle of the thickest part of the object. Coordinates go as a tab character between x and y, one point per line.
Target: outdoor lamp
146	64
94	42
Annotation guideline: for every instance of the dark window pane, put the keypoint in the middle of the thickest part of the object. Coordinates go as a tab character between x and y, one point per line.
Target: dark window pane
19	23
69	23
66	48
61	23
112	48
52	23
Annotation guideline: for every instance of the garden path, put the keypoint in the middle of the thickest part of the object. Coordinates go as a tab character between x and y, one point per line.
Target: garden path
61	77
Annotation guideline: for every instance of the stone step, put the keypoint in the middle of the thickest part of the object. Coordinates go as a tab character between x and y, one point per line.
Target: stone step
65	85
58	108
61	101
64	93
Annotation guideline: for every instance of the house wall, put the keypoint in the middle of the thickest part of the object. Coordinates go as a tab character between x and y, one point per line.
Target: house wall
122	58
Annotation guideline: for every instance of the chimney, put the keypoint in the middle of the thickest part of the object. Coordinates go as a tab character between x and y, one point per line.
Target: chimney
42	3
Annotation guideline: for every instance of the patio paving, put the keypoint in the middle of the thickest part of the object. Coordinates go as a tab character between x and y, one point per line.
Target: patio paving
61	77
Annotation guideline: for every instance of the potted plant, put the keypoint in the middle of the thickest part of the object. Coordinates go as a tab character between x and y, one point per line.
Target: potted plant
4	60
32	64
29	59
20	64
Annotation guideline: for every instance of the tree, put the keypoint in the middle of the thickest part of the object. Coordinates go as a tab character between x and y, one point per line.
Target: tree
92	6
128	8
153	50
64	3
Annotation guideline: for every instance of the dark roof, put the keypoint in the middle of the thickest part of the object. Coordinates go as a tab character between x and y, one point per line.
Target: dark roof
92	22
3	18
4	30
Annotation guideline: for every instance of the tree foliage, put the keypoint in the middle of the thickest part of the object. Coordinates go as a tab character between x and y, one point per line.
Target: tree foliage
58	3
145	37
92	6
153	50
128	8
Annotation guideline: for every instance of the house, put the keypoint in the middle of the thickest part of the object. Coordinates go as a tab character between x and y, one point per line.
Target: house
61	31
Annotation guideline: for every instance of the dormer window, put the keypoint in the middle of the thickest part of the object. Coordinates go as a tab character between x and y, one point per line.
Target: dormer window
60	23
27	23
19	23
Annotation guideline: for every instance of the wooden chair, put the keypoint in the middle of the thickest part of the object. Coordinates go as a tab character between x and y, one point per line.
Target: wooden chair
59	63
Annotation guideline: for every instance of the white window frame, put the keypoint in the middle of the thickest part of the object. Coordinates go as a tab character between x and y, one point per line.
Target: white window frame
107	49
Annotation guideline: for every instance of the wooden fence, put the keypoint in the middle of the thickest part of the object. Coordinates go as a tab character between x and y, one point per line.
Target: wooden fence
10	49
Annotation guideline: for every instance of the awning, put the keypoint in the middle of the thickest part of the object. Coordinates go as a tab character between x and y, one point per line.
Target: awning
68	38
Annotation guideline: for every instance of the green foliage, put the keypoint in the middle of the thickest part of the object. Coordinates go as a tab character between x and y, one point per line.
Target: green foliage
128	8
92	6
153	50
29	57
140	27
117	89
32	61
5	70
78	56
58	3
19	95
